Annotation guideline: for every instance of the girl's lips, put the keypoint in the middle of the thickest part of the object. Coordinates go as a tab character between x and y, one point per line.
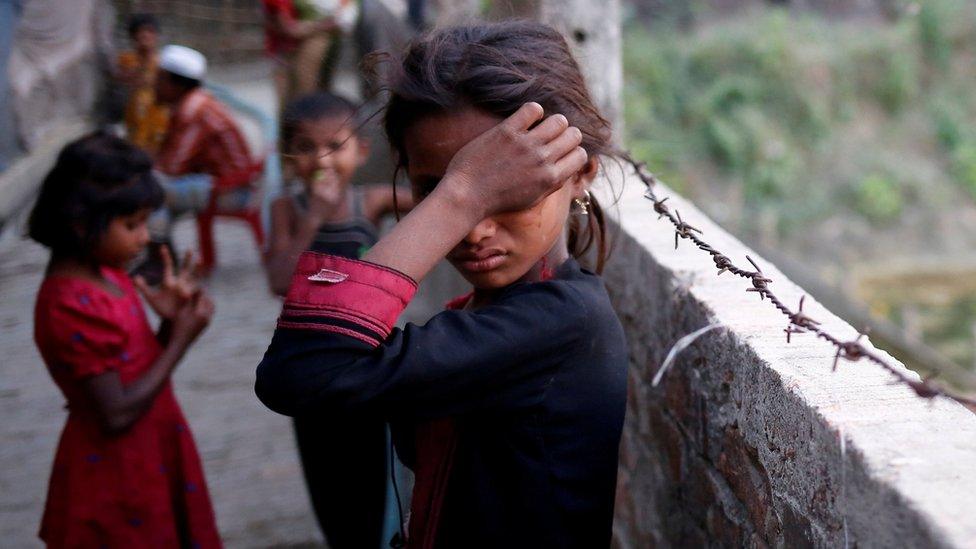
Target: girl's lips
481	265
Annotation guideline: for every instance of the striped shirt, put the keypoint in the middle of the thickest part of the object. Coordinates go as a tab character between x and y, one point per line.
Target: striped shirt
204	138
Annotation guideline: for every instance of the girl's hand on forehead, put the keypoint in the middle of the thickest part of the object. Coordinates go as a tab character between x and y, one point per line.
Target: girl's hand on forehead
510	167
518	162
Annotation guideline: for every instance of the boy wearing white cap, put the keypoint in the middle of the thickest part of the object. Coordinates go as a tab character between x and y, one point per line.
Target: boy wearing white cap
204	156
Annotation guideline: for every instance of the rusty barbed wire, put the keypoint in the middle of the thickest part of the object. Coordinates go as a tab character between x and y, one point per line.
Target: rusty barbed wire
798	321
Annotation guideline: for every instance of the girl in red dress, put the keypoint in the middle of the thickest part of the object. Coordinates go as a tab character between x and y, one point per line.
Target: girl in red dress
126	472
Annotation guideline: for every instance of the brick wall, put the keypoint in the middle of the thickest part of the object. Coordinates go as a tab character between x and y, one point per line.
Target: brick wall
740	444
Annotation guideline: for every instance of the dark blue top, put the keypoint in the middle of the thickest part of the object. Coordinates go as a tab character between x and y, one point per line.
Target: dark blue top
536	382
350	238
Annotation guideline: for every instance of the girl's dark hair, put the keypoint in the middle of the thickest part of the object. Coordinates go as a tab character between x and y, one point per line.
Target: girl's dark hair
139	20
497	68
313	106
96	178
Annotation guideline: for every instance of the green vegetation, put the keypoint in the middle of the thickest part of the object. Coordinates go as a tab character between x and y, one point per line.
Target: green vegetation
800	115
878	198
840	143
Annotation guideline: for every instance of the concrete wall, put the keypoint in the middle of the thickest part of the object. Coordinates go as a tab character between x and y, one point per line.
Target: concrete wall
752	441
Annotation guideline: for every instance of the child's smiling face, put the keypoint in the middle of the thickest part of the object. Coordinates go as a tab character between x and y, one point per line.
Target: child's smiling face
503	248
327	144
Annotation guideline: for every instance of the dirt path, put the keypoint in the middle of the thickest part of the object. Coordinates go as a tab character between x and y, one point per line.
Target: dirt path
248	453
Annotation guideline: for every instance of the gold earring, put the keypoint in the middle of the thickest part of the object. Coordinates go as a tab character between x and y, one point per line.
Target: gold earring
581	206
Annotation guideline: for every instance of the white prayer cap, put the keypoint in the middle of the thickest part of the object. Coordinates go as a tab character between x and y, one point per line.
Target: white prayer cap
183	61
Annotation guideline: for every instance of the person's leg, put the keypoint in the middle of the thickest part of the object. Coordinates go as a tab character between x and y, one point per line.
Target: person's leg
281	76
415	14
308	63
235	200
184	194
330	61
345	471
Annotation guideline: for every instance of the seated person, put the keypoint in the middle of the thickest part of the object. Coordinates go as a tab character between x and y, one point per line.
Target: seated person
204	157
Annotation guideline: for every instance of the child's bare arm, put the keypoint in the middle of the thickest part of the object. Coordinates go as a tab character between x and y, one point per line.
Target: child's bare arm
289	238
380	202
119	405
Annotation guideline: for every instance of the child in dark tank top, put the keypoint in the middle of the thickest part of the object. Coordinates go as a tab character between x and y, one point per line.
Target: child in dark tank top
325	213
344	458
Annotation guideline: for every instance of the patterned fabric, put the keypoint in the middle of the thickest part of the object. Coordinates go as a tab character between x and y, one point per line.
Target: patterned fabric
361	307
204	138
145	120
144	487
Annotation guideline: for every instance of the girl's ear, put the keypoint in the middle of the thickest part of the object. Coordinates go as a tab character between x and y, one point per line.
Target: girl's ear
586	175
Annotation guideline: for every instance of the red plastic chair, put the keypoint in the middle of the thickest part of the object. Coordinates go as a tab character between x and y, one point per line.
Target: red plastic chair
251	215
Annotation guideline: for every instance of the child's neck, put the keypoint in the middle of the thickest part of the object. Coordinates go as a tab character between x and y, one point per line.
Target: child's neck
75	268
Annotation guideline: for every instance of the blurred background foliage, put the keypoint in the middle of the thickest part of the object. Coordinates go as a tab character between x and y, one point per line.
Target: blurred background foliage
841	136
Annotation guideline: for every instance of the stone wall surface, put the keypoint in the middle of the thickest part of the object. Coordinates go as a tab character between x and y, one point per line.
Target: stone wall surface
750	441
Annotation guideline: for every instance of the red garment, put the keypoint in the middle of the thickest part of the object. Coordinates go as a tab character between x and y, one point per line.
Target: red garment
275	42
204	138
435	445
142	488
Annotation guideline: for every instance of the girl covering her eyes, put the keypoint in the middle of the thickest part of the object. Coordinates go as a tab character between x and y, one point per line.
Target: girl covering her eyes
509	405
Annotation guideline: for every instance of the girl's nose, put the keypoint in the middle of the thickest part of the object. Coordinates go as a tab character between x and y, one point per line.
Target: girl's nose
484	229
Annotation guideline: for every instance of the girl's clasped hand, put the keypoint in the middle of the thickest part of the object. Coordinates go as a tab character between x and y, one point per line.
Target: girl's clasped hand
179	299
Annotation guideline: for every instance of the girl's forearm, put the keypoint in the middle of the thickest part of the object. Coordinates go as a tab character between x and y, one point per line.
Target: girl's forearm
123	405
422	238
281	264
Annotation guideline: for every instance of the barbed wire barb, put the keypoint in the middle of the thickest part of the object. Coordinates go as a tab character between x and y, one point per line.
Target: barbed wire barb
798	320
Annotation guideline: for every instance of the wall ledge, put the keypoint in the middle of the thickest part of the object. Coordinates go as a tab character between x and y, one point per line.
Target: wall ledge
752	440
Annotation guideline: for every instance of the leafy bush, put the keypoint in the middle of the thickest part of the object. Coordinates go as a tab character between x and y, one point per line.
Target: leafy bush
964	166
756	101
899	83
947	120
879	198
933	19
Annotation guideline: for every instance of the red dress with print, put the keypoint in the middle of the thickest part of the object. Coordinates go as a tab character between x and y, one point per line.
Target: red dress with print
144	487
